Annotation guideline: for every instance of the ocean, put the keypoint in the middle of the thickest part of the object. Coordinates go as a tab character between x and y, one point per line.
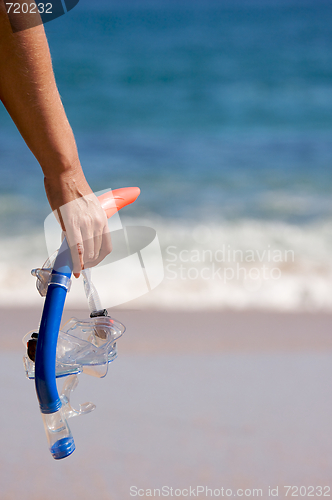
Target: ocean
221	112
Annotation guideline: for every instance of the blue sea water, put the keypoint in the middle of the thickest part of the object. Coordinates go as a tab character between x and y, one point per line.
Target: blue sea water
220	111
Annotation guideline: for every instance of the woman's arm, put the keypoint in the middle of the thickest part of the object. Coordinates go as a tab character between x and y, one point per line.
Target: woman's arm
30	95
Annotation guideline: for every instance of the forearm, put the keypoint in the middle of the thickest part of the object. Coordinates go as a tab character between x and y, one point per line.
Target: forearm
29	93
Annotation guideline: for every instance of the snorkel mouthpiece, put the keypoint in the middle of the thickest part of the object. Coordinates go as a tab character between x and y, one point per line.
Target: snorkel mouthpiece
59	437
102	329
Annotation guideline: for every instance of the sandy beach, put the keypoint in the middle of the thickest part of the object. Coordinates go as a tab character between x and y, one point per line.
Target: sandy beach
229	399
183	332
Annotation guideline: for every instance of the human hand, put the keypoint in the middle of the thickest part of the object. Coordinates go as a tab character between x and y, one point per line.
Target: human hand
82	219
87	232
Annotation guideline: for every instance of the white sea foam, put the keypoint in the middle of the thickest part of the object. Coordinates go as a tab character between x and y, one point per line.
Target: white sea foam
245	264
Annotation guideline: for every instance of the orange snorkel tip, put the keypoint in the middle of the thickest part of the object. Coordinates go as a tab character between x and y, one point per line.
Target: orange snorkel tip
112	201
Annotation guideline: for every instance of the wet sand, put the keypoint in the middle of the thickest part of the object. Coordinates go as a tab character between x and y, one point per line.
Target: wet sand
182	332
233	400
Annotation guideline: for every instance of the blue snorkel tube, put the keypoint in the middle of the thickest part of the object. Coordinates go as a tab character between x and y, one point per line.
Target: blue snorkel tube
54	413
60	440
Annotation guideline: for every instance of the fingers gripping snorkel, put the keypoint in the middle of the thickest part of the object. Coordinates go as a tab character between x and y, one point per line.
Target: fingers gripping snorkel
86	346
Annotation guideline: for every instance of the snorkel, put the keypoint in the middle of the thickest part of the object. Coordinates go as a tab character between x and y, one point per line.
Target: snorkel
83	346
